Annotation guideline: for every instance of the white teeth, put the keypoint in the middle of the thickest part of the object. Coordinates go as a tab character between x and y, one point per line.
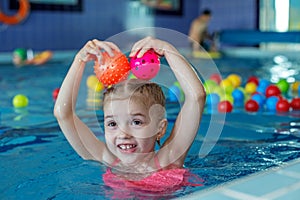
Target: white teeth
126	146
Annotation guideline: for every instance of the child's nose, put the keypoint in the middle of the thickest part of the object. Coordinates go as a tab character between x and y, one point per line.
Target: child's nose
124	134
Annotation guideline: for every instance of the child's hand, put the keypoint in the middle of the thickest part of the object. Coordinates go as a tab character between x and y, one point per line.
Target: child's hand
93	49
140	47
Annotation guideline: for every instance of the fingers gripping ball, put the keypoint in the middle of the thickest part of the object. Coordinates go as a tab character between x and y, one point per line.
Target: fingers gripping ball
114	70
145	67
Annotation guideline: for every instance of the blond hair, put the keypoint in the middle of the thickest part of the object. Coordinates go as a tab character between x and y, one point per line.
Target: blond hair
139	91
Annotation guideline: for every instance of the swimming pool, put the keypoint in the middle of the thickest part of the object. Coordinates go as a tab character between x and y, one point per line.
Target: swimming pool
38	163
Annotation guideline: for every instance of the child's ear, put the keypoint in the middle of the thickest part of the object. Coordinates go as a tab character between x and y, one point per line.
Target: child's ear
162	128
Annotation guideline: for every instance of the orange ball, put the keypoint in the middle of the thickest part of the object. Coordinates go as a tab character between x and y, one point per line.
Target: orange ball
114	70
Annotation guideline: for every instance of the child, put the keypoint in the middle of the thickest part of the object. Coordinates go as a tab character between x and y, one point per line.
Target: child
22	57
134	119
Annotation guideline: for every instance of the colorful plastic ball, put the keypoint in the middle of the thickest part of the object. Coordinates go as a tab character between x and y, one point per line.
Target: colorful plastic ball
295	103
174	93
250	87
282	105
238	97
212	99
55	93
253	79
259	98
114	70
272	90
93	83
20	101
271	103
145	67
295	86
225	107
251	106
216	77
209	86
235	79
264	83
227	97
225	83
283	86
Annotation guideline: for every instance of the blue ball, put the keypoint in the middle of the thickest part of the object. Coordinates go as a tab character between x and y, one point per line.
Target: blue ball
259	98
271	103
263	83
212	99
238	97
174	93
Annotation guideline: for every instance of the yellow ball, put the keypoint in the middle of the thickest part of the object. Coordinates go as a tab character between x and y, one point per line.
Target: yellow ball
295	86
250	88
93	83
20	101
226	82
235	80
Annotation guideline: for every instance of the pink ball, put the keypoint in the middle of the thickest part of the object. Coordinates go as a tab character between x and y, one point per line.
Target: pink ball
145	67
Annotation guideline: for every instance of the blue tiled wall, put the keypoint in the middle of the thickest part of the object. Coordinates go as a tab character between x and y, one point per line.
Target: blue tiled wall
104	18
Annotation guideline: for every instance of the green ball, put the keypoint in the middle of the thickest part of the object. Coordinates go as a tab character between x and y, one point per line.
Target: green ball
209	86
20	101
283	85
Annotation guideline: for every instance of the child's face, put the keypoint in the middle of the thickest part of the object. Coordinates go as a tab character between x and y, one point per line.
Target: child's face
130	129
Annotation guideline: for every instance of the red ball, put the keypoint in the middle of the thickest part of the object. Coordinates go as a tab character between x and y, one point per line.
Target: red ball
253	79
272	90
225	106
295	103
251	106
55	93
282	106
114	70
216	77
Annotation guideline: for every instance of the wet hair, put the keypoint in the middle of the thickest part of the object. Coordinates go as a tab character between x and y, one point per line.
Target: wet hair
139	91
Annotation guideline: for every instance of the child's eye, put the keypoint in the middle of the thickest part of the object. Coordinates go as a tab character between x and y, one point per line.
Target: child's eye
137	122
111	124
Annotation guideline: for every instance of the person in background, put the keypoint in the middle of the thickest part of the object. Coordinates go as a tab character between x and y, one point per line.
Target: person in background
198	32
22	57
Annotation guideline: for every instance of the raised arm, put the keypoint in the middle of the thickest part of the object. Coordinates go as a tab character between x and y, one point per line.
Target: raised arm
175	148
81	138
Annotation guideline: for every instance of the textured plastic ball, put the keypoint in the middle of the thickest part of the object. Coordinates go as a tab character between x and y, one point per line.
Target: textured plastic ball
271	103
259	98
216	77
212	99
272	90
295	103
283	86
145	67
20	101
251	106
235	79
282	106
250	87
253	79
93	83
225	107
114	70
55	93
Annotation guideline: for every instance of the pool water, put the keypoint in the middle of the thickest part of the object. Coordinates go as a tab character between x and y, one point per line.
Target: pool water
38	163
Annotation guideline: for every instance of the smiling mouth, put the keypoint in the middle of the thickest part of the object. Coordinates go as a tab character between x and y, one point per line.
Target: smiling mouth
126	146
